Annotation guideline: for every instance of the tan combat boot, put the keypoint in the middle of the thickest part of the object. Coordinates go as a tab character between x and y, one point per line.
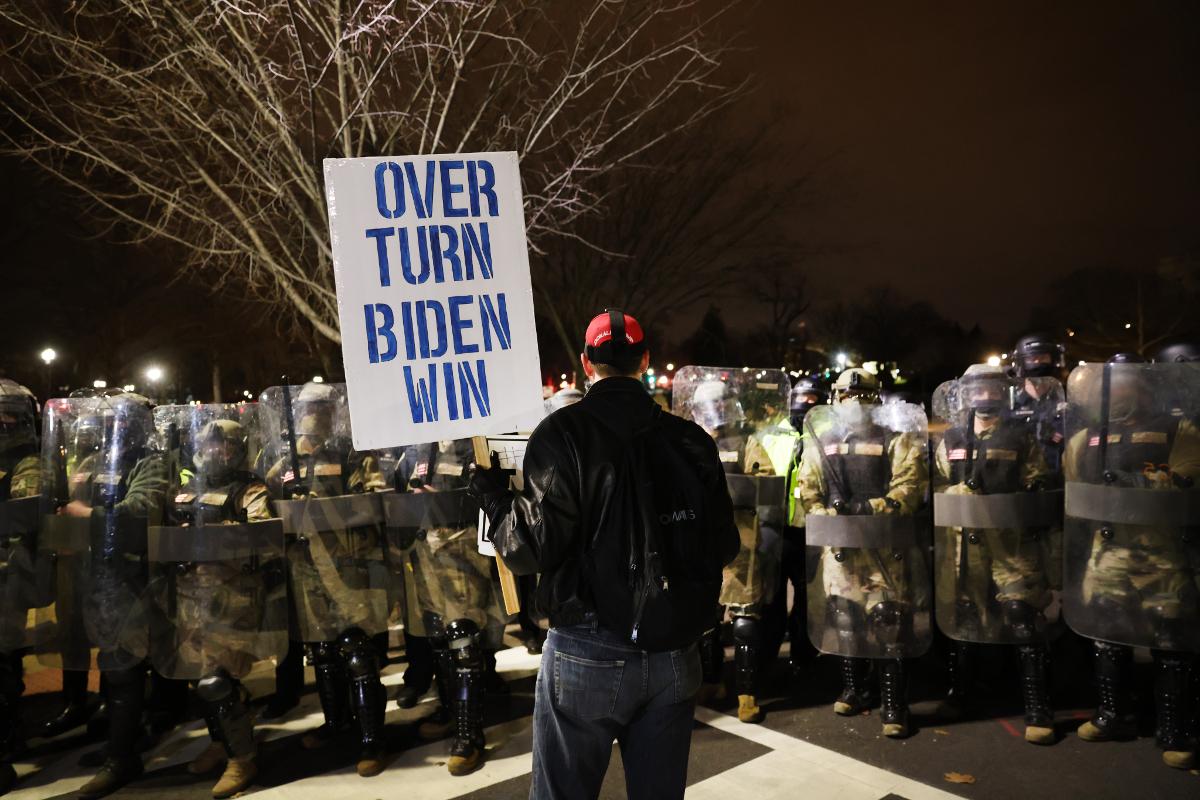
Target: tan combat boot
239	774
749	709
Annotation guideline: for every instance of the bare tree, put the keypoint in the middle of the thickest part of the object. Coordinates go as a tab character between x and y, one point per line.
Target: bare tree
697	221
204	122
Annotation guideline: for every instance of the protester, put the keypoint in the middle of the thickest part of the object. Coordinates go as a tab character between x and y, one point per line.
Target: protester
626	515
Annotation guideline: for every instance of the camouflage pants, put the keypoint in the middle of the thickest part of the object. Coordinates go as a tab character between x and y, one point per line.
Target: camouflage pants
219	620
453	580
1146	569
750	579
339	581
865	577
1005	565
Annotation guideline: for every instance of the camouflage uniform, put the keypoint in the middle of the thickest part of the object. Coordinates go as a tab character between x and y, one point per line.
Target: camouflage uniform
1134	582
875	599
339	578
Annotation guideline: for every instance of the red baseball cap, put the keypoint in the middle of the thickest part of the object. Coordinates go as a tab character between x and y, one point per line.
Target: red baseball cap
599	344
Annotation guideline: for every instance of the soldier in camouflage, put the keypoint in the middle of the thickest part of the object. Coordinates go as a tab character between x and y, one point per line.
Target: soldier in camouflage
218	605
336	563
1133	581
20	479
457	596
853	466
990	451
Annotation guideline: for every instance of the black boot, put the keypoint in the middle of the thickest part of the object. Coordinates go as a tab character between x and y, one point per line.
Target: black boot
368	698
9	727
745	660
856	696
126	695
1114	718
289	682
75	710
960	663
893	694
439	723
466	752
1039	717
418	676
1173	715
330	675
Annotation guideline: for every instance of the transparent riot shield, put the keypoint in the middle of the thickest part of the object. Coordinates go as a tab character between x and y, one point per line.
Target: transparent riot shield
1132	527
432	524
104	481
745	410
330	503
26	581
864	481
997	510
217	570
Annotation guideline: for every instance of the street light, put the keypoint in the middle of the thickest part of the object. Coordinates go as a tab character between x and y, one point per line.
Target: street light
993	361
99	384
48	355
670	367
317	379
154	374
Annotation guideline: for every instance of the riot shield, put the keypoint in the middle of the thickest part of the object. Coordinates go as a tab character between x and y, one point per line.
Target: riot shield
864	481
329	501
1132	527
26	581
745	410
103	483
217	570
432	525
997	510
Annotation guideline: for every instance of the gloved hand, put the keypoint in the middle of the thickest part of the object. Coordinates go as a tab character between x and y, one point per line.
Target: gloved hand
490	485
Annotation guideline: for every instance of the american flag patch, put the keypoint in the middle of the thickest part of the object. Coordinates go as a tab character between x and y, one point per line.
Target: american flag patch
1057	437
1094	441
832	449
957	454
422	469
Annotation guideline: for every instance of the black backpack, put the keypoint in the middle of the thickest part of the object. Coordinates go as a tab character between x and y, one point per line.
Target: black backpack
675	562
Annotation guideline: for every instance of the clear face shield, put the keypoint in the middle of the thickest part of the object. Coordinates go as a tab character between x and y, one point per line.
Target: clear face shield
314	427
1041	364
985	398
219	456
853	406
717	413
1127	396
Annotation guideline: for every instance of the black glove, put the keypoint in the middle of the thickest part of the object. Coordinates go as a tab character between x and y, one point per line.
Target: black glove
490	486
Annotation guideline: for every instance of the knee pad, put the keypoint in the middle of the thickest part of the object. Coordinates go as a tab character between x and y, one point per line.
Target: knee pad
1021	618
745	631
845	615
465	642
890	620
362	660
214	688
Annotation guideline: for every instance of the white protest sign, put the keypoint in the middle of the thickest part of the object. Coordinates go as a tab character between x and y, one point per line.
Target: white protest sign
434	297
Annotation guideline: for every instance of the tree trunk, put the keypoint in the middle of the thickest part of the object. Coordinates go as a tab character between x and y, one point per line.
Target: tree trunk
216	380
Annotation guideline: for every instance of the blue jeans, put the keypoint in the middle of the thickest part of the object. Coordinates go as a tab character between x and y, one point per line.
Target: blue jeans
594	687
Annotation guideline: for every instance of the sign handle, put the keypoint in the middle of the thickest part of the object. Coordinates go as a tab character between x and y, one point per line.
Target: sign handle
508	581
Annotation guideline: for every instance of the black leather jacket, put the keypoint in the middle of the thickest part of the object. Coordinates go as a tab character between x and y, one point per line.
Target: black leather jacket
571	523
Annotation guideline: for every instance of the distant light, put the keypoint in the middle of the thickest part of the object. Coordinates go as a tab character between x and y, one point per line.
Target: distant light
993	361
562	377
154	374
1128	325
1004	355
1081	363
48	355
670	367
564	385
317	379
664	381
842	359
745	369
1070	332
129	387
246	392
650	371
99	384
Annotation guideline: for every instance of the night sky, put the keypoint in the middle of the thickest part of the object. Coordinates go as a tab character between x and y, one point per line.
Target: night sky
969	151
964	152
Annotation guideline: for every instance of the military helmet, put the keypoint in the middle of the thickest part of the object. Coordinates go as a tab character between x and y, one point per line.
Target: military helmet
983	389
1038	355
804	387
1178	353
857	382
714	404
18	415
221	448
1125	358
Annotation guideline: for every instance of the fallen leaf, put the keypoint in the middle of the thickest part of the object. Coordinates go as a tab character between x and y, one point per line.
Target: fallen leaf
941	731
959	777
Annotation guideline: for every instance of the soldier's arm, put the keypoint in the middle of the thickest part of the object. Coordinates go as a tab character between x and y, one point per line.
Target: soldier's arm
1185	452
941	464
367	476
809	482
26	478
910	477
1073	455
147	489
757	460
1035	472
256	502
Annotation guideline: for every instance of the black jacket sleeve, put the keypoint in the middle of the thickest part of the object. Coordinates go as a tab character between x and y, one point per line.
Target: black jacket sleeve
535	530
